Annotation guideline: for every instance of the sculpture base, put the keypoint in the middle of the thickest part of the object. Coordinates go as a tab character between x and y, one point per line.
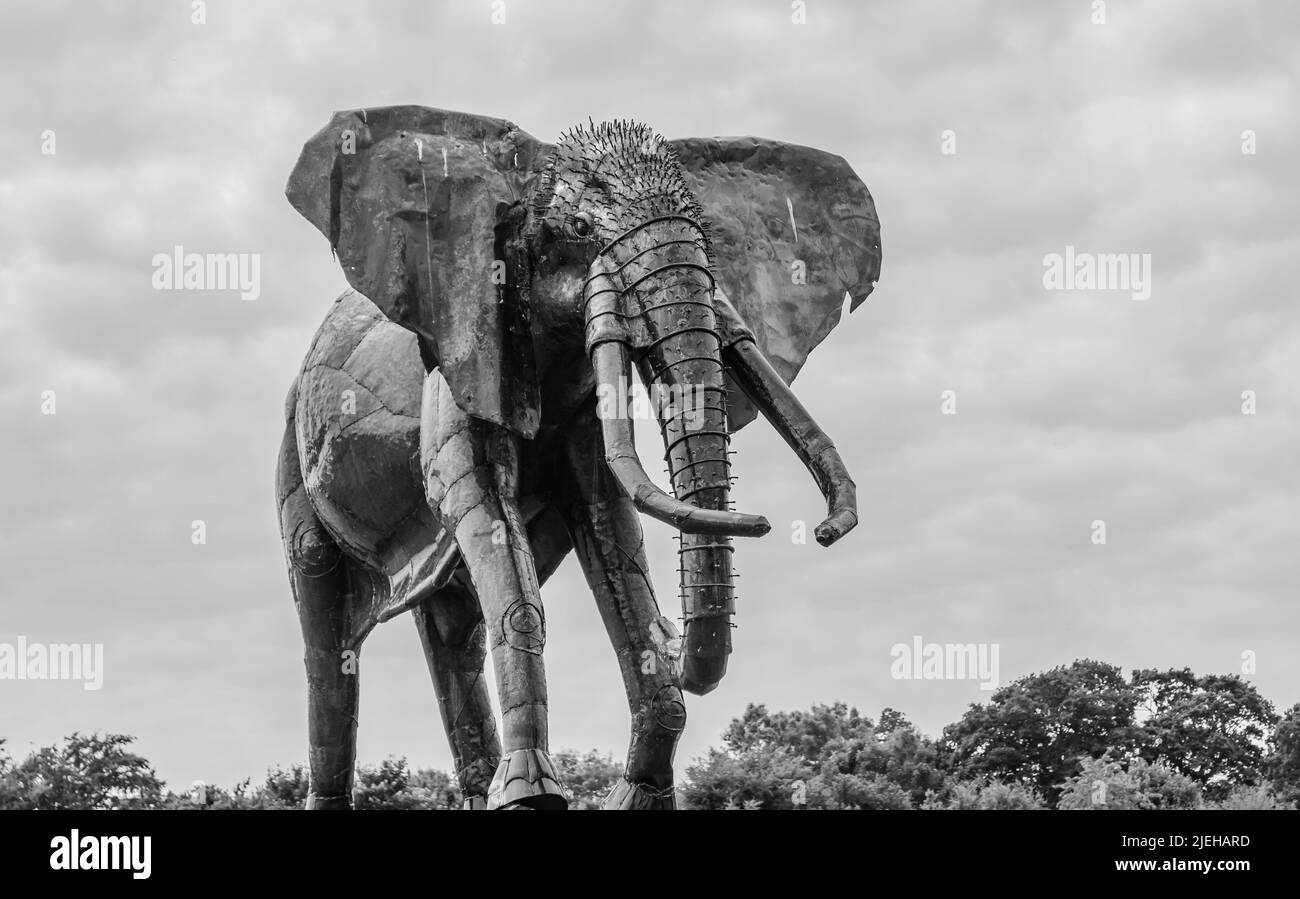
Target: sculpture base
639	797
328	803
527	778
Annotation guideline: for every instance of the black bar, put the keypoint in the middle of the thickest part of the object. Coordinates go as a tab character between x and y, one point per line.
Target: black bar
240	848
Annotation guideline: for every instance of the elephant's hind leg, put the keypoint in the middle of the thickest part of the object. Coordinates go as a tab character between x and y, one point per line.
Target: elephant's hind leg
319	574
452	632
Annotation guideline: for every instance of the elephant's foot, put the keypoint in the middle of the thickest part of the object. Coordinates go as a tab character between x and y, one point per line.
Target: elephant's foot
474	804
526	777
328	803
639	797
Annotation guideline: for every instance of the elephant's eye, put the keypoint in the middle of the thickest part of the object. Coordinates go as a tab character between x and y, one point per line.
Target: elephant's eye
582	224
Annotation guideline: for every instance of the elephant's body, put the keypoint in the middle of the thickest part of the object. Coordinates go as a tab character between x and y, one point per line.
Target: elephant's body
357	431
460	425
356	411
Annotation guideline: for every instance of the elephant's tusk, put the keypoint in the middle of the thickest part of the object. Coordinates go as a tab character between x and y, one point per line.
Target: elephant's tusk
770	394
610	360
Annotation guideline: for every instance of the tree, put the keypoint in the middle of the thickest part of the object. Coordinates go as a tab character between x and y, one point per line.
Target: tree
10	789
877	768
839	757
984	794
86	772
838	790
907	758
729	778
436	789
1118	782
892	720
385	787
805	734
766	754
390	785
1283	764
285	787
1036	729
589	777
1214	729
241	796
393	786
1257	798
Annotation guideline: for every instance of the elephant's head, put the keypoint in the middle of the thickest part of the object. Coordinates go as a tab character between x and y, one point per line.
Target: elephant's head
456	225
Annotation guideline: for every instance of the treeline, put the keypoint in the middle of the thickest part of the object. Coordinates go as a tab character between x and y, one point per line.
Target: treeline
1077	737
101	772
1080	736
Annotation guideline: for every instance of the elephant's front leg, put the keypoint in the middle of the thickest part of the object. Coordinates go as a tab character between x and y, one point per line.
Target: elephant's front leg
606	530
471	473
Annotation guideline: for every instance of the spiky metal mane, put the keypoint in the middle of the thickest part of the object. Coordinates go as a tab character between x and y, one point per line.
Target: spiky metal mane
635	159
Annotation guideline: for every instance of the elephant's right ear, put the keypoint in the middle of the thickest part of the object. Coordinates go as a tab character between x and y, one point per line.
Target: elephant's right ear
420	206
794	231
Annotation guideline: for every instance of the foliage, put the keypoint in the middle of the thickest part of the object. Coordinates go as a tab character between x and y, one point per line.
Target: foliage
1260	797
385	787
1283	766
837	790
728	779
767	758
1112	782
827	757
284	787
1036	729
588	776
1075	737
86	772
10	787
1213	729
984	794
393	786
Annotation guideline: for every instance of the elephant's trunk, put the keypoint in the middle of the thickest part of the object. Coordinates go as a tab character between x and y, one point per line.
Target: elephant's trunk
665	306
695	435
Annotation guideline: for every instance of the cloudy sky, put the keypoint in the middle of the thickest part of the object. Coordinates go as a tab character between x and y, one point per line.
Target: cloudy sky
1072	406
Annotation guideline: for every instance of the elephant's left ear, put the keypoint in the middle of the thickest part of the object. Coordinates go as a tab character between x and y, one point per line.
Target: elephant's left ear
423	207
794	229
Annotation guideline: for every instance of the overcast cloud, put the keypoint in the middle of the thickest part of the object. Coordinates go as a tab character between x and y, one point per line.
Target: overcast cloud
1072	406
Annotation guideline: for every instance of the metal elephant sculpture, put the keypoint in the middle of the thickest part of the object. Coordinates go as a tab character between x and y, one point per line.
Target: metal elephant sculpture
459	424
